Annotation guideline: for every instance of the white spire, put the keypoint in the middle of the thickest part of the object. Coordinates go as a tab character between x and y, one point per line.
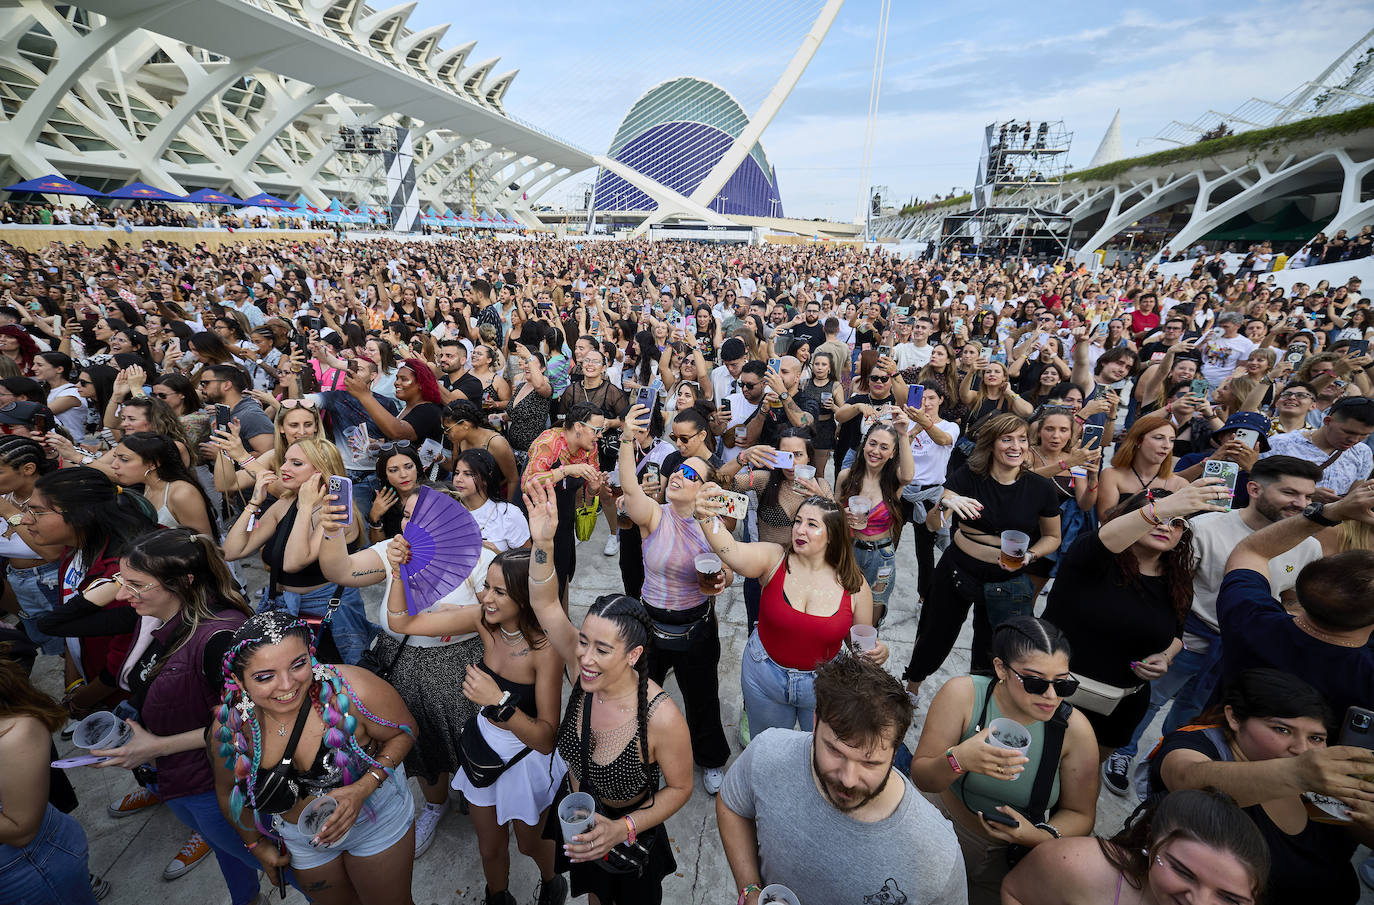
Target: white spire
1110	149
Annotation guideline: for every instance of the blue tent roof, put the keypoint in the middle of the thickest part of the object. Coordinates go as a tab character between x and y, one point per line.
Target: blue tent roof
262	199
143	192
52	184
207	196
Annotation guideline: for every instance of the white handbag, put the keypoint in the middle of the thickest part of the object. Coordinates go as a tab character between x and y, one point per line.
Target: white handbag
1099	697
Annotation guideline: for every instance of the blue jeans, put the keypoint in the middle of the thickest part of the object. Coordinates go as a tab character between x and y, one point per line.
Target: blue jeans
775	695
36	591
50	870
240	869
1162	690
349	626
880	570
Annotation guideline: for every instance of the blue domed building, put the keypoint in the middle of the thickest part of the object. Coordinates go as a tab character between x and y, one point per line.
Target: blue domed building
675	134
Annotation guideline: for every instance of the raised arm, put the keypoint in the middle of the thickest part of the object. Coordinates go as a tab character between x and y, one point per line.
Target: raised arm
1201	495
639	506
543	514
752	560
1271	541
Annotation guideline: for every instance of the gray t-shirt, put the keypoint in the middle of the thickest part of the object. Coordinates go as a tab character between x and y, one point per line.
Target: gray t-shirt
910	858
253	421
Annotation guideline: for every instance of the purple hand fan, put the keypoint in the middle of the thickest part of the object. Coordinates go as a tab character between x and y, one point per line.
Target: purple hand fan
445	543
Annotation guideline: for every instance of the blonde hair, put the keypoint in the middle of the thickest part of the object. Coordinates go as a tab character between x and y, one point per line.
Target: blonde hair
323	457
280	444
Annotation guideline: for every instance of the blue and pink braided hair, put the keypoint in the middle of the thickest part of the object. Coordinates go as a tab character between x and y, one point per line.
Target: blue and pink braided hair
241	738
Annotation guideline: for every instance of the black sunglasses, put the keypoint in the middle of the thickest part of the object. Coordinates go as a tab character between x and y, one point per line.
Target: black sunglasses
1038	685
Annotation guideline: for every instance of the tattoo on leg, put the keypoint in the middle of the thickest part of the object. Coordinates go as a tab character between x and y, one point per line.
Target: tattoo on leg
317	886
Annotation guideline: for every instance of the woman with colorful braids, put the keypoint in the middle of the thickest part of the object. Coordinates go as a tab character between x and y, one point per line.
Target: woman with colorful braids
290	729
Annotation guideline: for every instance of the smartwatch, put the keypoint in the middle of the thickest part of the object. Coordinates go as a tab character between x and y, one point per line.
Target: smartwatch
1314	513
501	711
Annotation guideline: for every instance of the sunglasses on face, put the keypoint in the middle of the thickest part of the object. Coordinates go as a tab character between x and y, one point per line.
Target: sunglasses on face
1039	685
690	473
878	378
749	386
684	438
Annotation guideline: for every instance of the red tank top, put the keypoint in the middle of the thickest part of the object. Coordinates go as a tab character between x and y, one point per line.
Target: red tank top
797	640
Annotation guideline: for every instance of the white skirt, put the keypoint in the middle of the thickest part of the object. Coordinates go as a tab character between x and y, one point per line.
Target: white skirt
525	790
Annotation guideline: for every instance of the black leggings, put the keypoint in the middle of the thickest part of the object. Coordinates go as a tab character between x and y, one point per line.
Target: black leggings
924	541
951	594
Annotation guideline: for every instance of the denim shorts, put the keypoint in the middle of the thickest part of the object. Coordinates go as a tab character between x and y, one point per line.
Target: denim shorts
384	820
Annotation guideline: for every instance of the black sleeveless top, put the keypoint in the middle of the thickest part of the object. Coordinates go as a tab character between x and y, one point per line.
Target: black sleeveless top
627	777
522	695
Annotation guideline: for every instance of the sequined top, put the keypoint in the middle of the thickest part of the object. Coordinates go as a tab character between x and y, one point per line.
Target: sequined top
625	777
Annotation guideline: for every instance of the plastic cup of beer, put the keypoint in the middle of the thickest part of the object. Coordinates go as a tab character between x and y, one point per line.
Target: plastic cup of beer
863	637
577	814
709	569
803	473
777	894
102	730
860	505
1014	547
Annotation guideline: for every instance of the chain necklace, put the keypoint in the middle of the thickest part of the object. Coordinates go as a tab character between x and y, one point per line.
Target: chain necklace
1320	635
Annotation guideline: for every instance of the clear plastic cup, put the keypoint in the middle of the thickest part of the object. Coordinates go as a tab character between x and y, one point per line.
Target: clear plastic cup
1009	734
709	569
1014	547
864	637
577	814
860	505
102	730
313	818
777	894
803	473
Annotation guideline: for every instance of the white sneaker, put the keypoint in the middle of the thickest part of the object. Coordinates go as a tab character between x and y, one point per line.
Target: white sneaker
426	822
612	545
712	779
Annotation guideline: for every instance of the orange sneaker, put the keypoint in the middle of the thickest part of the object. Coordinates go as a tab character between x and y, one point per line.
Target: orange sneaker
132	803
191	854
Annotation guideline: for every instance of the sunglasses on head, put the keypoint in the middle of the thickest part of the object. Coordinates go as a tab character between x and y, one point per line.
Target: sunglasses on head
1039	685
297	403
394	444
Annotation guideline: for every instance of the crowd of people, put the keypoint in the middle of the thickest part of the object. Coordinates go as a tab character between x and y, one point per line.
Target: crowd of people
1150	494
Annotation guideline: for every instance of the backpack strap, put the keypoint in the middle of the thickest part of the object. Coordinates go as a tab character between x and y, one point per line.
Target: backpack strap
1055	727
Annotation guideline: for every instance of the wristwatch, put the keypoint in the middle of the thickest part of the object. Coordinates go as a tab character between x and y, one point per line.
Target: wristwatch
784	396
1314	513
501	711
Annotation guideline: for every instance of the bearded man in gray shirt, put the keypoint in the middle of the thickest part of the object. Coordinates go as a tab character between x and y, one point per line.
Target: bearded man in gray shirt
825	814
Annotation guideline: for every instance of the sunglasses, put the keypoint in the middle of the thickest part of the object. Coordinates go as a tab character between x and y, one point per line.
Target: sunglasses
878	378
690	473
297	403
749	386
681	438
1038	685
394	444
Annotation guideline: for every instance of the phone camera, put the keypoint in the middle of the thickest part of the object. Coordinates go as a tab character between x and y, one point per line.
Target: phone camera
1360	721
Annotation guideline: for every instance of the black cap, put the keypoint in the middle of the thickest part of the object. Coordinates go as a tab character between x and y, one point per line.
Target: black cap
21	412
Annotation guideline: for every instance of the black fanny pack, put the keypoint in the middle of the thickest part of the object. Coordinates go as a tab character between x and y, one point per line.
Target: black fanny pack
677	637
481	763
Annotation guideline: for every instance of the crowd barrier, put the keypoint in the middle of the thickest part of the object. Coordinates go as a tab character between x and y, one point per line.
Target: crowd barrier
35	237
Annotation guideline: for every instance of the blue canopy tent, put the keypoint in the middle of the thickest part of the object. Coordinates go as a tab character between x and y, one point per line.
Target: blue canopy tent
262	199
206	196
52	184
141	191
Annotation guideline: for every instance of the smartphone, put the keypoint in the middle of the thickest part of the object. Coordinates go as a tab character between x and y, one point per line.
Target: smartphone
650	472
1092	436
1156	357
914	395
342	488
222	417
783	459
1359	346
84	760
985	353
1248	436
646	397
999	817
725	406
42	422
1199	387
736	504
1357	730
903	311
774	364
884	351
1230	471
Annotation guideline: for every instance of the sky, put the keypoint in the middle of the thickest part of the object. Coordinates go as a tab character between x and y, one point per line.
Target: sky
950	69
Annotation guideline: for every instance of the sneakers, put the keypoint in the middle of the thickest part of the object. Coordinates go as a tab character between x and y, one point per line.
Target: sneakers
425	824
67	732
712	779
100	887
744	735
1116	774
612	544
191	854
500	898
132	803
553	892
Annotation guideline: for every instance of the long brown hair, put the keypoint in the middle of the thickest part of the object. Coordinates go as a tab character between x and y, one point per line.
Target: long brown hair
515	569
18	696
839	544
888	483
1177	565
988	430
1130	444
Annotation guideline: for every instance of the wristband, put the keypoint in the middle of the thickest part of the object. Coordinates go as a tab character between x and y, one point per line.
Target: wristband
630	825
744	893
381	779
953	761
75	684
248	461
1048	828
255	843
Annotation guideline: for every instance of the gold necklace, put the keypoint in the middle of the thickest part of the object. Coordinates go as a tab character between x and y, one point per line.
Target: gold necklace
1320	635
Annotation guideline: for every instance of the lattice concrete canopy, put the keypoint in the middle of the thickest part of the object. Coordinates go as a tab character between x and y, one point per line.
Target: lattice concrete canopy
247	96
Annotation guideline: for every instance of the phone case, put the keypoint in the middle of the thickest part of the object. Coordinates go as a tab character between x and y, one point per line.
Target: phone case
343	489
736	504
1230	471
783	459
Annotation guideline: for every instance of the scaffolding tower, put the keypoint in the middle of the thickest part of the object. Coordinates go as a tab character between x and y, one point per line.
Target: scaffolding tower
1019	157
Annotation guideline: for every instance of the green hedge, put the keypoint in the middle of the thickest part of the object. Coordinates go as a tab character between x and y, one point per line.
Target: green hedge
1336	124
912	209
